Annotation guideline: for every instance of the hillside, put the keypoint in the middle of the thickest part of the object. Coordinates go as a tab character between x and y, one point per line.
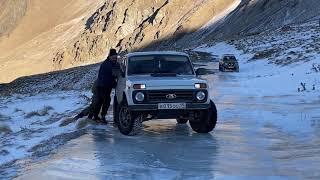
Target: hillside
53	35
28	45
10	14
255	16
65	33
284	48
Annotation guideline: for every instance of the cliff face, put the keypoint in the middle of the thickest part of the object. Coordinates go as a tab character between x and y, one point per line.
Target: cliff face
131	25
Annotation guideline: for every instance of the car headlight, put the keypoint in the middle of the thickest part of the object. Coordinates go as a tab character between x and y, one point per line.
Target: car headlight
200	96
139	96
200	85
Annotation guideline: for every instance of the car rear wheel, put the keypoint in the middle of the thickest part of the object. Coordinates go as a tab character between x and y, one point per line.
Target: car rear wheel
237	69
207	120
129	123
222	69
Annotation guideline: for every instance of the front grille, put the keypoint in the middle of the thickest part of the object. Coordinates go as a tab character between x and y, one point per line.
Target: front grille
161	96
229	64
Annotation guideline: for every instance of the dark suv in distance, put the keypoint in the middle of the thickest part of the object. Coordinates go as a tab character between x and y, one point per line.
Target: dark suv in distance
229	63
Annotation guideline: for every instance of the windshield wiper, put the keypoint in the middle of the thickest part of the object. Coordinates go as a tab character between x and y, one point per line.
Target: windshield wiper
164	74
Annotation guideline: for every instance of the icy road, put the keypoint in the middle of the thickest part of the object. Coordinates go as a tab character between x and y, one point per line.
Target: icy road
266	130
258	137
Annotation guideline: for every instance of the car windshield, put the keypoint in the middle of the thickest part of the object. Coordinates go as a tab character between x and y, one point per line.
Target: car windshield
159	64
229	58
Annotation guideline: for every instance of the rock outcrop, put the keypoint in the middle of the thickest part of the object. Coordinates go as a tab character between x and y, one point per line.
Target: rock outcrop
137	25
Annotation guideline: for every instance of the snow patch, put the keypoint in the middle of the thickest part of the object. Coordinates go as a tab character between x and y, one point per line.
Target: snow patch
261	78
34	119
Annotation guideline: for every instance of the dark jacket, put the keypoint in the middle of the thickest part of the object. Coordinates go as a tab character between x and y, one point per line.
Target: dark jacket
105	76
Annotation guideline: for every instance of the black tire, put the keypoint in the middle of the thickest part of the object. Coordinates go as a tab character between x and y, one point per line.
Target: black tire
182	121
237	69
129	123
207	121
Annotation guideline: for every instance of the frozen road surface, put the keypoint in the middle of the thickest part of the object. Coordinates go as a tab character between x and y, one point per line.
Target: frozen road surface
257	137
266	130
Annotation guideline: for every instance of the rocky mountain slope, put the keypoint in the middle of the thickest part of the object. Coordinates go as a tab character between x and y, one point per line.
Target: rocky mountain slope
10	14
70	33
131	25
254	16
29	45
283	48
67	33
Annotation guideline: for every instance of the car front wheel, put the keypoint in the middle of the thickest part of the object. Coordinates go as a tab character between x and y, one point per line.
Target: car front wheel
128	122
206	121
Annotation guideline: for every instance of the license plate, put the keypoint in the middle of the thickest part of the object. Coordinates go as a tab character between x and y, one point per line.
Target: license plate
172	106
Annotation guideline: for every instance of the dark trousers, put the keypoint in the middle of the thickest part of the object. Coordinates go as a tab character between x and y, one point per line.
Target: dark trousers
101	101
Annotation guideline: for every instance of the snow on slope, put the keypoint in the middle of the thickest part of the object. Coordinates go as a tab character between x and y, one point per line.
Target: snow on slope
31	120
272	79
277	62
263	79
271	89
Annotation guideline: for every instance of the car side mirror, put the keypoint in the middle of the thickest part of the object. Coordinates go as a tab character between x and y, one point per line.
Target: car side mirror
201	71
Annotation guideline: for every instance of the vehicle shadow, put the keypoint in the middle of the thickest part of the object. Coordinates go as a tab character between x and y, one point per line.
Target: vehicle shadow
164	150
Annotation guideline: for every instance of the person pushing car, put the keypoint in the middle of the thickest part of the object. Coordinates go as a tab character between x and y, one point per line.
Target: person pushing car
102	88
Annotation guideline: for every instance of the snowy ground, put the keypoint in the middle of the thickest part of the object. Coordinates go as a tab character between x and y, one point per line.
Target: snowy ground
261	78
276	87
266	129
27	121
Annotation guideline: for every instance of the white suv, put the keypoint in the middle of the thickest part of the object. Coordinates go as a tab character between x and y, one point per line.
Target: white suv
161	85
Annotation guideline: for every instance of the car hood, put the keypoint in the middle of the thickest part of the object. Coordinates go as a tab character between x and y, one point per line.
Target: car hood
177	82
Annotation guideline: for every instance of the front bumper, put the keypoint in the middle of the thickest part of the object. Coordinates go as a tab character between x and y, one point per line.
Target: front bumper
154	107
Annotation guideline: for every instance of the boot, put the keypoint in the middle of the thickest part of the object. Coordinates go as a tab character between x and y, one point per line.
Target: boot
103	120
